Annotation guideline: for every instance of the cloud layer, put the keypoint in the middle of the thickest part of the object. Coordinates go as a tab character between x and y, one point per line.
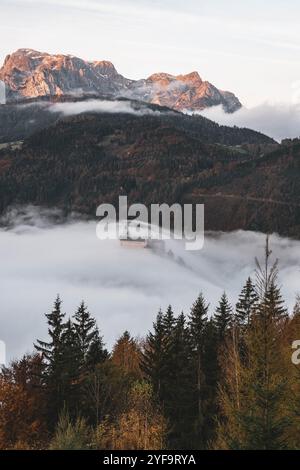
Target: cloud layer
124	288
275	120
100	106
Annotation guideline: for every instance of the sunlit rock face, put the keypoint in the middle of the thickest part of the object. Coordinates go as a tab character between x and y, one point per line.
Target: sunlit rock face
183	92
30	74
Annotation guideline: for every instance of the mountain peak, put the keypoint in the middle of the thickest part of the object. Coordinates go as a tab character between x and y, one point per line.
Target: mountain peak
160	76
24	51
28	73
103	63
192	77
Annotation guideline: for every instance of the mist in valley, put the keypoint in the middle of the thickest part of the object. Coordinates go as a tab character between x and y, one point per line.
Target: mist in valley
123	287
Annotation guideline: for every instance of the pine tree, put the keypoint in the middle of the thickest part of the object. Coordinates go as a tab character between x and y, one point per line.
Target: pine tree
274	304
197	321
253	393
264	425
97	353
152	361
266	274
168	321
85	331
197	326
70	349
223	317
52	351
177	391
246	304
252	412
167	364
211	369
53	357
71	368
270	299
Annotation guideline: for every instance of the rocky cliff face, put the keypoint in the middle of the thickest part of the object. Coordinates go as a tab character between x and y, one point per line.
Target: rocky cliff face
28	74
183	92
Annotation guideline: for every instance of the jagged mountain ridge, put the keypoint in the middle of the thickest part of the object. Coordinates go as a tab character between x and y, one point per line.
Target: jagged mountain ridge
28	73
183	92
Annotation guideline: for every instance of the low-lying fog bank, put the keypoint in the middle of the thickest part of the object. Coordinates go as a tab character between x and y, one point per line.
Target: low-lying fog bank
123	287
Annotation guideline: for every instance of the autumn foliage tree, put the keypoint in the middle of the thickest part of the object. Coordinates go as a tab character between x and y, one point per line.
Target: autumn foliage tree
22	405
140	427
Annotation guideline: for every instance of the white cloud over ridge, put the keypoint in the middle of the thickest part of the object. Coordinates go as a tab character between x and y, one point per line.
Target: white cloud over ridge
124	288
279	121
100	106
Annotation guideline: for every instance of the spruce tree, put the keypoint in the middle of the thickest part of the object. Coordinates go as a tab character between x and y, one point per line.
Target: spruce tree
71	353
252	418
253	393
274	303
177	391
211	371
71	367
269	295
85	331
264	426
197	321
197	326
152	362
53	356
52	351
223	317
168	321
97	353
246	304
262	421
167	364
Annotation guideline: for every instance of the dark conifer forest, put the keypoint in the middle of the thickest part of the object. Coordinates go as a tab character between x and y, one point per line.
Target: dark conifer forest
200	379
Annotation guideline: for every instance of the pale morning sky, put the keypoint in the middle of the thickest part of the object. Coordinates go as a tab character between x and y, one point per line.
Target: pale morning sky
249	47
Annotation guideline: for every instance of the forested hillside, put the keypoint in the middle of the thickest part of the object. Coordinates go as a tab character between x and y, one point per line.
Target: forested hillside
82	161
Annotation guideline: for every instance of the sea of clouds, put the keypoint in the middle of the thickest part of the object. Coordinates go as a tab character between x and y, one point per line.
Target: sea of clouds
123	287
